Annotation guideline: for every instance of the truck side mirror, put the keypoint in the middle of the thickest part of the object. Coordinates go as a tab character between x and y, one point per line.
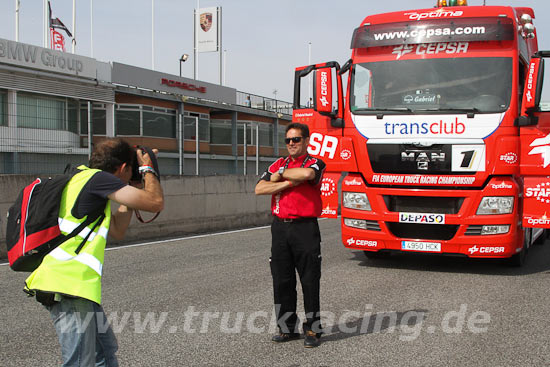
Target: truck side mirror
327	91
527	121
533	88
337	122
322	93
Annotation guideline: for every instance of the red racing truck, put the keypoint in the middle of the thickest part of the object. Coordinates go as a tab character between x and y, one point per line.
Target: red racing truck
440	132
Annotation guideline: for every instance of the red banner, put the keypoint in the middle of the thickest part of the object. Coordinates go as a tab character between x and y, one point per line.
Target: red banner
57	40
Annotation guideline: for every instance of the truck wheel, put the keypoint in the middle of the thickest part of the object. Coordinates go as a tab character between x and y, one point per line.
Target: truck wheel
518	260
376	255
541	240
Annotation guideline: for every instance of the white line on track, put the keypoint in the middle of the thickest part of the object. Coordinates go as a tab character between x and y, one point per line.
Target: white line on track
181	238
177	239
185	238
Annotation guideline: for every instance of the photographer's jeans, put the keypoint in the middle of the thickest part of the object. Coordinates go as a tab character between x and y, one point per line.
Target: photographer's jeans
83	334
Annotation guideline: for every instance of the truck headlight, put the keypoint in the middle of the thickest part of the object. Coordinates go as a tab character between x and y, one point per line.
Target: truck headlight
356	200
496	205
355	223
501	229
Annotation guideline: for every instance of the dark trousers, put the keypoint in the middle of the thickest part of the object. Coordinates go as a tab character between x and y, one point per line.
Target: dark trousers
296	246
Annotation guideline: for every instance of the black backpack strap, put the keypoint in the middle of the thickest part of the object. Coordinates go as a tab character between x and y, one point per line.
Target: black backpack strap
84	224
90	219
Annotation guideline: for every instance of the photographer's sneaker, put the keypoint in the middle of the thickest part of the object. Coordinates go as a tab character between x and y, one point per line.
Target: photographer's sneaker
311	340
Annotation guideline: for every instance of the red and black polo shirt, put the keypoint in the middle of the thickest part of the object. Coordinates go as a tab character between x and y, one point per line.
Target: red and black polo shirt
299	201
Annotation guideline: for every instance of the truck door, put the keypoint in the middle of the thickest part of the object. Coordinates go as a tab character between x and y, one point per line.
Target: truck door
534	122
319	103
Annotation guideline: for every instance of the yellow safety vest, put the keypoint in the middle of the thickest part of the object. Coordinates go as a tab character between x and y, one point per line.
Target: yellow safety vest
63	270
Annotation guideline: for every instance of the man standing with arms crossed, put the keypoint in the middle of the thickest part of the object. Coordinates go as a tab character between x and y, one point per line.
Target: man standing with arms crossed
68	281
295	185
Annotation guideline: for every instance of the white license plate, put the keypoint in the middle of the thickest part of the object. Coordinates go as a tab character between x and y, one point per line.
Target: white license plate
421	246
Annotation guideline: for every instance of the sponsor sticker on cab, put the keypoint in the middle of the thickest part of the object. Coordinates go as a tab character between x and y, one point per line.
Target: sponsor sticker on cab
421	246
543	221
486	250
541	192
502	185
345	154
363	243
328	186
440	13
423	218
329	211
509	158
431	48
322	145
354	182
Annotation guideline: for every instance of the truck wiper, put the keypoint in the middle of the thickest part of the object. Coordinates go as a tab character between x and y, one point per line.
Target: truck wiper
379	110
469	111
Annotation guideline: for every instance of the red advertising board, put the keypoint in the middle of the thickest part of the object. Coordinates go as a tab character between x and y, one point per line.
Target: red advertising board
536	203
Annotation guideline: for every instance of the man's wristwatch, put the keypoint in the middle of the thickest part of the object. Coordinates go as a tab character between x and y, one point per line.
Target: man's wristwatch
281	170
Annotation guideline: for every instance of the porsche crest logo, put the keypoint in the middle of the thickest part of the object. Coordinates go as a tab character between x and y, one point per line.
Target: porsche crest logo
206	21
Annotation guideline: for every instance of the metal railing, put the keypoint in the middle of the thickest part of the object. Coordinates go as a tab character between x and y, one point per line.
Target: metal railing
263	103
42	136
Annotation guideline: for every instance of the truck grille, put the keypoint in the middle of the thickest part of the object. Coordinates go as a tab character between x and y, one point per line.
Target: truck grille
473	230
372	225
423	204
442	232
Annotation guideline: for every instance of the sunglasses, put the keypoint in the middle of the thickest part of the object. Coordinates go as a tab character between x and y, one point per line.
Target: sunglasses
295	139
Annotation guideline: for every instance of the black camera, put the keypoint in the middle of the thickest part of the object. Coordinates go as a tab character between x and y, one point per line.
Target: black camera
136	175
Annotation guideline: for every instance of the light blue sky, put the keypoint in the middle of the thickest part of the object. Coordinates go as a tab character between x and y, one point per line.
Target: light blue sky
265	40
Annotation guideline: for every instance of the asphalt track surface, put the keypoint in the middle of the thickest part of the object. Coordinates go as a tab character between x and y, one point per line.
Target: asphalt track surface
208	300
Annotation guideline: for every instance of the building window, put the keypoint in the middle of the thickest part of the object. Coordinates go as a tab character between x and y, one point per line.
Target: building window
3	108
189	126
41	112
99	118
240	133
127	120
72	116
220	132
281	135
159	122
139	120
265	134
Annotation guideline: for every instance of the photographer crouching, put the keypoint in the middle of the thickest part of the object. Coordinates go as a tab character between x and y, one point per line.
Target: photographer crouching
68	281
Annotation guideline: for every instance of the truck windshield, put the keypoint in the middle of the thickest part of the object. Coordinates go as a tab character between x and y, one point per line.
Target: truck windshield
444	85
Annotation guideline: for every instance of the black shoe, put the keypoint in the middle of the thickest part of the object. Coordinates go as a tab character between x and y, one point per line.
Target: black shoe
285	337
312	340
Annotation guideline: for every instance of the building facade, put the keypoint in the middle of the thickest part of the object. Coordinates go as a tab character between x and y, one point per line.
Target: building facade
54	104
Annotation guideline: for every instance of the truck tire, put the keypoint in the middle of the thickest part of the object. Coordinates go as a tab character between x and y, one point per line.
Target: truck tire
518	260
541	240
